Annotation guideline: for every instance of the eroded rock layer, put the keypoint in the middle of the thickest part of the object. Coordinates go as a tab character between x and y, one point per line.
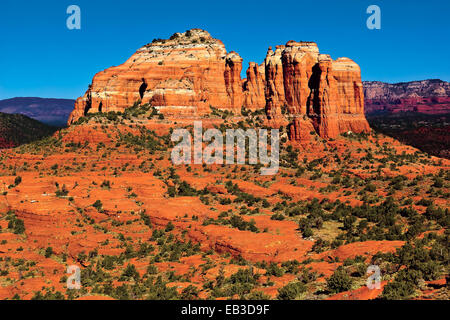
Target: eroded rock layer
191	72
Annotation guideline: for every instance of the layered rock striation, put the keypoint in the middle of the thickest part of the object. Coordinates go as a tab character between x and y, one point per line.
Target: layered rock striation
191	71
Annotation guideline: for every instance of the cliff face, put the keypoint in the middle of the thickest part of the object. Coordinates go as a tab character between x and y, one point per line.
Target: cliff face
192	71
254	87
187	73
311	84
426	96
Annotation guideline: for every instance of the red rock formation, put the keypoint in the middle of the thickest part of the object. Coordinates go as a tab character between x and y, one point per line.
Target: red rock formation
299	59
299	129
254	87
274	81
328	92
187	73
325	99
233	83
351	96
192	71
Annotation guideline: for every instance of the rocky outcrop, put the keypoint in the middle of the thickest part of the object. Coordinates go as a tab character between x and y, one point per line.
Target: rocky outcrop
426	96
187	73
274	81
327	92
192	71
233	83
254	87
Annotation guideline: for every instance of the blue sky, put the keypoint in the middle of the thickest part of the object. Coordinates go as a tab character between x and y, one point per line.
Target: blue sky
39	56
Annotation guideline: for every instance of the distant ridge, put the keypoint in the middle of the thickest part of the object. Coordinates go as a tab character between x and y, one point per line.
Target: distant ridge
420	88
47	110
425	96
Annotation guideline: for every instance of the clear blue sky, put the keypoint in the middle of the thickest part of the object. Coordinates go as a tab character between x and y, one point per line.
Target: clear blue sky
39	56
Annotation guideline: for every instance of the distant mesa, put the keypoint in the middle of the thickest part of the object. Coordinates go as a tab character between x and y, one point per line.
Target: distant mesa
191	72
426	97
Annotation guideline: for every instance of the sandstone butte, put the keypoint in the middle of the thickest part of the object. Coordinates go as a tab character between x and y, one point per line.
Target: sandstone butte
191	72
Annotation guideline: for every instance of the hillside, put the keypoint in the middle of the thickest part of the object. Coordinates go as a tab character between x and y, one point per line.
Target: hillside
50	111
429	133
103	194
17	129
